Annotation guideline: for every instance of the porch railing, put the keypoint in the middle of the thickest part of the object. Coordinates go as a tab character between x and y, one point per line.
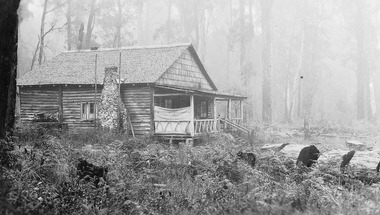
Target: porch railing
238	121
204	126
172	126
184	127
230	123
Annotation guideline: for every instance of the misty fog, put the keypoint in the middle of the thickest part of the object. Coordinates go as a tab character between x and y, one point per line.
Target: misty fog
294	59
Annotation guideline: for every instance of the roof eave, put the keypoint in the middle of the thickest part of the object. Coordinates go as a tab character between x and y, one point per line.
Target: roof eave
200	64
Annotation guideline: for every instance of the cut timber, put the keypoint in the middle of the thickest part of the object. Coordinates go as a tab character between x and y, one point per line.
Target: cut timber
292	150
361	159
356	145
274	147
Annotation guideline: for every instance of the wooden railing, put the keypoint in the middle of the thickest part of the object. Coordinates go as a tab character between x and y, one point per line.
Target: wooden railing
238	121
230	123
205	126
172	127
184	127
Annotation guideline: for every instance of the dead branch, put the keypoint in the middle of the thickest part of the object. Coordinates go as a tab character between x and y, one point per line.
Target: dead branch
35	53
56	7
53	28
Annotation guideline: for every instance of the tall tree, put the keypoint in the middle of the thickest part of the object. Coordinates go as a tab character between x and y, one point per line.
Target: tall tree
359	23
42	33
74	18
90	24
266	6
80	37
47	8
114	22
242	31
140	20
8	63
69	24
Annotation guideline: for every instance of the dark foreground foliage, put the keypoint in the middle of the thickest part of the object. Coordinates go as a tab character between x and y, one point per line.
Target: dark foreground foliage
146	177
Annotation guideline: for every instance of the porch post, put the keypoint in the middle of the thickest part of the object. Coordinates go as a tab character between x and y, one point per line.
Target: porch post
192	115
60	104
215	115
229	109
241	111
152	123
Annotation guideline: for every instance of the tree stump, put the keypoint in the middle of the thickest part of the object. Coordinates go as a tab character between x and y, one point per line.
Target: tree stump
308	155
346	159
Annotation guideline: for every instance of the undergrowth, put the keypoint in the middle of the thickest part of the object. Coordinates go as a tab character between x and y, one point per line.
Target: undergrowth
147	177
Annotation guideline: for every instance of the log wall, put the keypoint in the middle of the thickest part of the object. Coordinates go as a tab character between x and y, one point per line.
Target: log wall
35	100
72	98
137	99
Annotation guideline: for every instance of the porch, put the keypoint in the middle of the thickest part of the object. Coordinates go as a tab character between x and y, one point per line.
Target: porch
183	113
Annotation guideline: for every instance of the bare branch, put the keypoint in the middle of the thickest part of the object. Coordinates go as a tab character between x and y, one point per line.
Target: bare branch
56	7
35	53
53	28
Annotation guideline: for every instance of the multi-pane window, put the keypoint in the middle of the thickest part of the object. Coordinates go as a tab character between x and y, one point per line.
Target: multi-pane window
204	109
88	111
168	103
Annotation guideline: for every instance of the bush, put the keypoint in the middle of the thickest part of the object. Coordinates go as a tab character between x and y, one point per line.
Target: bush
146	177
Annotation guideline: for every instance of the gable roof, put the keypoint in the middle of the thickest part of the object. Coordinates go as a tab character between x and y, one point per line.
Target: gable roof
138	65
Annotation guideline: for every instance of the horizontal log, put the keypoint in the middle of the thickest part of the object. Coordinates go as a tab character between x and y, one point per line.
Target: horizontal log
138	104
23	92
141	99
135	96
139	117
140	121
35	105
129	88
137	109
80	95
38	95
141	127
81	90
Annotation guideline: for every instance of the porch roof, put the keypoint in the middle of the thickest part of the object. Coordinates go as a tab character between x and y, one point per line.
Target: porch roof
218	95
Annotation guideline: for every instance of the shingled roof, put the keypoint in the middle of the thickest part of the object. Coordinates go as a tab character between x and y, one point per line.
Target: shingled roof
138	65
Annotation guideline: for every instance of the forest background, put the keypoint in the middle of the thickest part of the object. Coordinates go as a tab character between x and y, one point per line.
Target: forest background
295	59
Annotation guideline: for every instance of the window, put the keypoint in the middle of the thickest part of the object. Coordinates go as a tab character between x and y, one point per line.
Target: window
203	109
88	111
168	103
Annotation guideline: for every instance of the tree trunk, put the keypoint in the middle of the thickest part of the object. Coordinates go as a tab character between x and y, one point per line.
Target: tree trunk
299	96
42	34
372	101
203	27
169	21
197	18
311	76
287	89
80	37
8	64
266	6
242	33
140	15
68	18
360	64
229	41
117	42
90	24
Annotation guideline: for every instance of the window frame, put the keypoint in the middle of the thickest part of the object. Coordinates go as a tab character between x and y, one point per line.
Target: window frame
85	111
204	110
168	103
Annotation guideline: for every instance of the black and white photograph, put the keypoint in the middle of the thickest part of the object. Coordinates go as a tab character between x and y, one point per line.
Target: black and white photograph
182	107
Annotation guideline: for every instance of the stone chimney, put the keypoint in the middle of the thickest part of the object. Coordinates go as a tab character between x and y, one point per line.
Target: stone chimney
108	107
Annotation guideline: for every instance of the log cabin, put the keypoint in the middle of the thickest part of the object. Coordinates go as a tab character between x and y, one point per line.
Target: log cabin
166	90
